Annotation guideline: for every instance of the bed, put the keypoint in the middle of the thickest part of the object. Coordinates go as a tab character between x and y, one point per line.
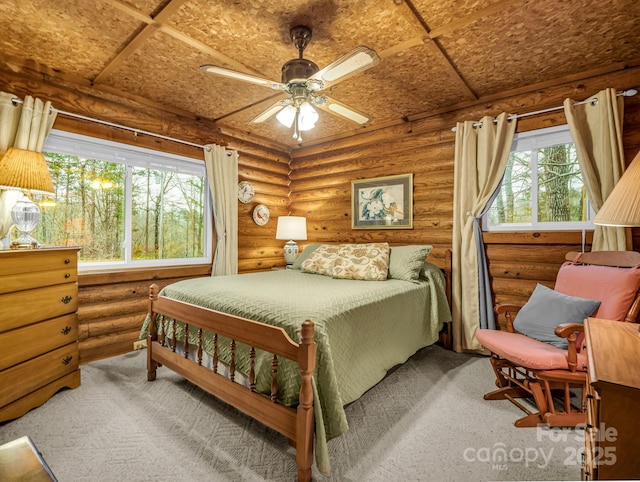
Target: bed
286	347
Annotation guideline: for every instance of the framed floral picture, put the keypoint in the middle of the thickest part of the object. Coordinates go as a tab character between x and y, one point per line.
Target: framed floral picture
382	202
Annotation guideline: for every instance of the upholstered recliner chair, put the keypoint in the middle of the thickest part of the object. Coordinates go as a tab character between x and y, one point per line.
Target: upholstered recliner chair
542	356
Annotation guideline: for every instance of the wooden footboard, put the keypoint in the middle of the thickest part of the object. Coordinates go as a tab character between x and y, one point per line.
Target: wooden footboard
295	423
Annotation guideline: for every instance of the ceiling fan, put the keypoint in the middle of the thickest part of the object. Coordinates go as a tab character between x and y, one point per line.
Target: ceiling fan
303	80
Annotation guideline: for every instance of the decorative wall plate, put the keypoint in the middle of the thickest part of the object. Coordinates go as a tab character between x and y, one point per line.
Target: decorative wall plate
261	214
245	192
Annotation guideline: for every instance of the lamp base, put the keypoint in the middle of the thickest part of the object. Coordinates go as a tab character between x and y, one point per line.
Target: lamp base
25	215
290	252
24	241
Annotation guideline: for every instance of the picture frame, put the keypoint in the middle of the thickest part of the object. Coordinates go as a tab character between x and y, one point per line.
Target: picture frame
382	202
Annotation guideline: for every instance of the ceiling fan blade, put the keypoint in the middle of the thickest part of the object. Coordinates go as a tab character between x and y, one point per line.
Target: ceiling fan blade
269	112
338	108
359	59
234	74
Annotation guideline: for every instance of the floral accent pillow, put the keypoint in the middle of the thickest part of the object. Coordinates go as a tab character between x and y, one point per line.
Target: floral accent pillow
369	262
321	260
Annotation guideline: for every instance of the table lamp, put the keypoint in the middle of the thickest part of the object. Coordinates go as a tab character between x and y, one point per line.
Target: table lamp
291	228
27	171
622	207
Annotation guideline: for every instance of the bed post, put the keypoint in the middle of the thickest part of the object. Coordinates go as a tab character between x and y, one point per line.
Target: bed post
305	420
152	336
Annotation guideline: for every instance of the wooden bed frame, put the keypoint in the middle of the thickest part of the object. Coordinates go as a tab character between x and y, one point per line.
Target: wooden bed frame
297	424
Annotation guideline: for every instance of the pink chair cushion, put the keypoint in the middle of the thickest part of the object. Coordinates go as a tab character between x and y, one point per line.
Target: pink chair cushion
616	288
527	352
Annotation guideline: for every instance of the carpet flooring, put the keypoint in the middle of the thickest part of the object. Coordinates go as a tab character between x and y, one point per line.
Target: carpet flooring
426	421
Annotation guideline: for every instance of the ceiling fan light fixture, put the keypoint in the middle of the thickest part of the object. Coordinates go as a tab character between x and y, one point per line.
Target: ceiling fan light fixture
302	81
307	118
286	116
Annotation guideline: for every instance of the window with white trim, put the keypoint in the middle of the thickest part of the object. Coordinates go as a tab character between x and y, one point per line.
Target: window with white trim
542	187
125	206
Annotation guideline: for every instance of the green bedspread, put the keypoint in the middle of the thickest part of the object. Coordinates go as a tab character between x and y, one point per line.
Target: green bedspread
362	329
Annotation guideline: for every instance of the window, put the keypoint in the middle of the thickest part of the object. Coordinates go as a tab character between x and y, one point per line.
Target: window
126	206
542	188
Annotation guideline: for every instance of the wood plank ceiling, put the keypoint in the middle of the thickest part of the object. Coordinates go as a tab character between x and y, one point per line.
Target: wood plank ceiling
437	55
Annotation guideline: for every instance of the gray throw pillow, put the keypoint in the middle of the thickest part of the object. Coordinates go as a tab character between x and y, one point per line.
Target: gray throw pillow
547	309
304	255
405	262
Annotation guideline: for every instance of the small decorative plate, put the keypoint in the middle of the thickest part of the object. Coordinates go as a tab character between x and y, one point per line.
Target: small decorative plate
245	192
261	214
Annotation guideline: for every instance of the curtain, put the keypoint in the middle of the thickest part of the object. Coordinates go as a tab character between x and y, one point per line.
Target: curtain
222	174
25	126
596	129
481	155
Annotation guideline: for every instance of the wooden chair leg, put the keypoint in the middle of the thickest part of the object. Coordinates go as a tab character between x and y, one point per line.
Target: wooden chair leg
505	393
539	396
498	364
531	420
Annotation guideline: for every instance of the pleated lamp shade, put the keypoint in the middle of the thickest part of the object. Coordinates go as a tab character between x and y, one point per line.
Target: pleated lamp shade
26	170
622	207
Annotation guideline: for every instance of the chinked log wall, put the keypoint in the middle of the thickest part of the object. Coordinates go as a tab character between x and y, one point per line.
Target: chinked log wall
113	305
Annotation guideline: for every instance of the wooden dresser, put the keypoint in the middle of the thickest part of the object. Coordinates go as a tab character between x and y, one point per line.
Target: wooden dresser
38	327
612	436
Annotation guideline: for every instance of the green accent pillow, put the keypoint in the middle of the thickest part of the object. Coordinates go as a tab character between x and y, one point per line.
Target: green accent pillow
304	255
547	309
405	262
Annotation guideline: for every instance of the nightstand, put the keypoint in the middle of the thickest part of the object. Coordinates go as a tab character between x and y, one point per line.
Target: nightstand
613	398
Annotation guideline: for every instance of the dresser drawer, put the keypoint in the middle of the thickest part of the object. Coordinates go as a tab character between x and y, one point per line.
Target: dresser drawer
31	341
27	281
16	262
20	380
26	307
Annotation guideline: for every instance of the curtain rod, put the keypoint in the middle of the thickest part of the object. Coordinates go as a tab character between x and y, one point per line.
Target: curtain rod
625	93
111	124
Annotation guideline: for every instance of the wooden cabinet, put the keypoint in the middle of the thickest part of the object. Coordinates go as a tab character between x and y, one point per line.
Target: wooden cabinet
38	327
612	437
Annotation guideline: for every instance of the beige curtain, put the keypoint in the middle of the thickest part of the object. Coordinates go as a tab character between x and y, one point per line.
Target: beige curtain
596	129
25	126
222	173
481	156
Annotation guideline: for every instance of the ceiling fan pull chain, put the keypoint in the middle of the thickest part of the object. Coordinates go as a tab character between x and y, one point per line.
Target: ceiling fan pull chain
296	127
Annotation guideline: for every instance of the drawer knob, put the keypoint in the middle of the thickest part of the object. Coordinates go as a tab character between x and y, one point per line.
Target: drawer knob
66	360
67	275
66	299
67	261
66	330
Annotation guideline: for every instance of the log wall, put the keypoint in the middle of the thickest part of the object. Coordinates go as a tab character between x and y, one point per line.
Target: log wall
112	305
321	184
315	182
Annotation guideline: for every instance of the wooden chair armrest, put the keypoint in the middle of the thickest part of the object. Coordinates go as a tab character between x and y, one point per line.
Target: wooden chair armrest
565	329
503	308
507	309
568	331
